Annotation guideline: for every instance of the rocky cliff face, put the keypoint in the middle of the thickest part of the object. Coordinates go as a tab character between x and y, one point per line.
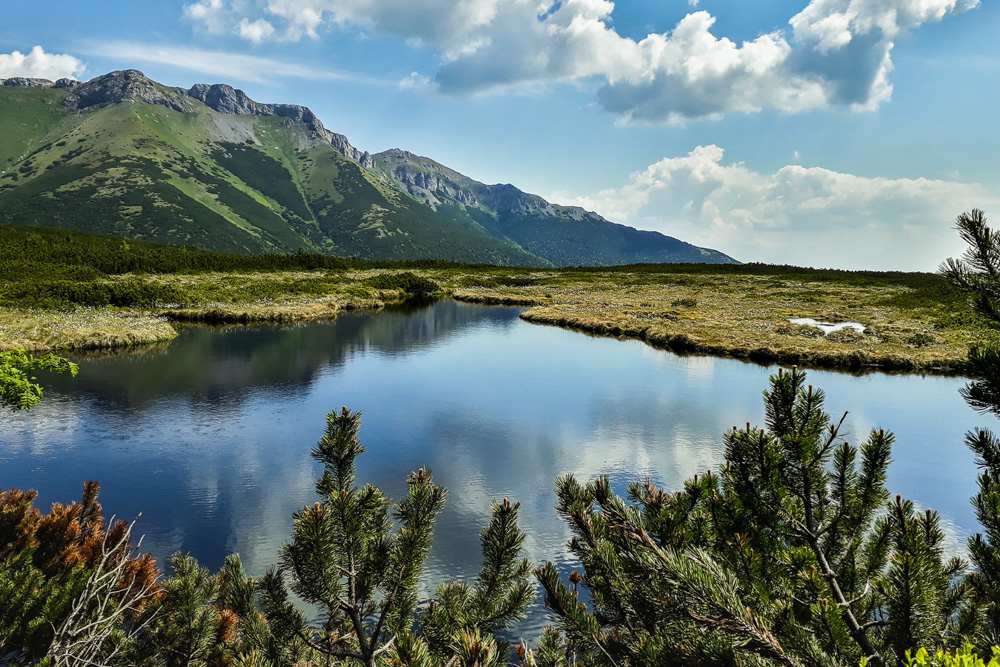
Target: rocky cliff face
226	99
343	146
432	187
424	179
435	184
431	184
25	82
507	199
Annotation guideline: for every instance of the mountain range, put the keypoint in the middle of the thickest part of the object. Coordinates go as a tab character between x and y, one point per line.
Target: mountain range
124	155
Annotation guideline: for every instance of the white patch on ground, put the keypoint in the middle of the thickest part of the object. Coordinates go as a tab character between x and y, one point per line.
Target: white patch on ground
827	327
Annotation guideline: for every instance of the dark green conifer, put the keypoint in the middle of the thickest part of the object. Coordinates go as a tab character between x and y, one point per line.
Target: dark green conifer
499	596
348	560
791	554
72	588
189	627
978	274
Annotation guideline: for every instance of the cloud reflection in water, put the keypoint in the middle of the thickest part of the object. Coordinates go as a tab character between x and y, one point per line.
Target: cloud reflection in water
210	438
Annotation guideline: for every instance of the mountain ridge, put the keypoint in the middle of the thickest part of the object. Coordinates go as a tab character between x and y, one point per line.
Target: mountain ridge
195	160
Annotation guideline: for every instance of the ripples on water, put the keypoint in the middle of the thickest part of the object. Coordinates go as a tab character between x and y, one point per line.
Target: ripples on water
210	437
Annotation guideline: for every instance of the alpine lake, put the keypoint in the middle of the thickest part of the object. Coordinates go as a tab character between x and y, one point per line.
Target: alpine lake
209	437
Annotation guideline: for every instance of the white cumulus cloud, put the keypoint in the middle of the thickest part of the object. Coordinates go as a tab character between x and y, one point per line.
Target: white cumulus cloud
40	65
832	53
215	15
807	216
256	31
414	81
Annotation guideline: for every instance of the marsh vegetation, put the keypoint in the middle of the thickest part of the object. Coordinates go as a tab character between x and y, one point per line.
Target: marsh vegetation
66	290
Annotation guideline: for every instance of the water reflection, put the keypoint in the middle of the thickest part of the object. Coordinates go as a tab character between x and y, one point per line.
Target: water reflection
210	437
220	365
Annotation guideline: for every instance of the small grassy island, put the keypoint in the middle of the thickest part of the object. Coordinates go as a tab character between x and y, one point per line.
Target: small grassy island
62	290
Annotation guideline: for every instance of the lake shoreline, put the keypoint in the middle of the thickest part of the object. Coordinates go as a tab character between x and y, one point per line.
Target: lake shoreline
108	329
853	361
700	322
110	337
746	317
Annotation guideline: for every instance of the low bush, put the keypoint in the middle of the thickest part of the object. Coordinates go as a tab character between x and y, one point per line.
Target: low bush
963	657
412	284
65	293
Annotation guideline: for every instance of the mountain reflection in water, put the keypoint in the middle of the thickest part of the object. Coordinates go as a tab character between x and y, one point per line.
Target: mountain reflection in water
210	437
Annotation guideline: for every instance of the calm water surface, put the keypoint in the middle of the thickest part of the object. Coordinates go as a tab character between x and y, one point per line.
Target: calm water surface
209	438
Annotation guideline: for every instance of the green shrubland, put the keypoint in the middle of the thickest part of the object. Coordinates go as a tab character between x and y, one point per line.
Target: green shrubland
45	268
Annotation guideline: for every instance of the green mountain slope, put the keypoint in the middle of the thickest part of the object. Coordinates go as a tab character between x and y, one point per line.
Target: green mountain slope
209	167
562	235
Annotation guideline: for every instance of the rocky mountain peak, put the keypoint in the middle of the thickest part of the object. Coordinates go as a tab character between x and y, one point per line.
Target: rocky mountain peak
396	154
425	180
131	85
122	86
474	221
508	199
226	99
223	98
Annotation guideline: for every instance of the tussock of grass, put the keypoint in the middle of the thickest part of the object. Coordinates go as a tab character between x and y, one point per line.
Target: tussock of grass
290	311
488	297
214	298
83	328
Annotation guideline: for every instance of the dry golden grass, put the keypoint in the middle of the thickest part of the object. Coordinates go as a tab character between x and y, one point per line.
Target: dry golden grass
83	328
747	317
238	302
743	316
280	311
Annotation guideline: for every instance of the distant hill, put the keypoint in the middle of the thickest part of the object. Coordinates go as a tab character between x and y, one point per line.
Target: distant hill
209	167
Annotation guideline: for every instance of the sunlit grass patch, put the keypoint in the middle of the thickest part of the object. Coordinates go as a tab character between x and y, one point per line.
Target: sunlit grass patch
81	328
747	316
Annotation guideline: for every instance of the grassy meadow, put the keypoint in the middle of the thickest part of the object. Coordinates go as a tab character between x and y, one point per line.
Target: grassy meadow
913	322
64	290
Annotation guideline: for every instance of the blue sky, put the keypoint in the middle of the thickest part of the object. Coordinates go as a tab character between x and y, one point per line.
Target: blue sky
835	133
